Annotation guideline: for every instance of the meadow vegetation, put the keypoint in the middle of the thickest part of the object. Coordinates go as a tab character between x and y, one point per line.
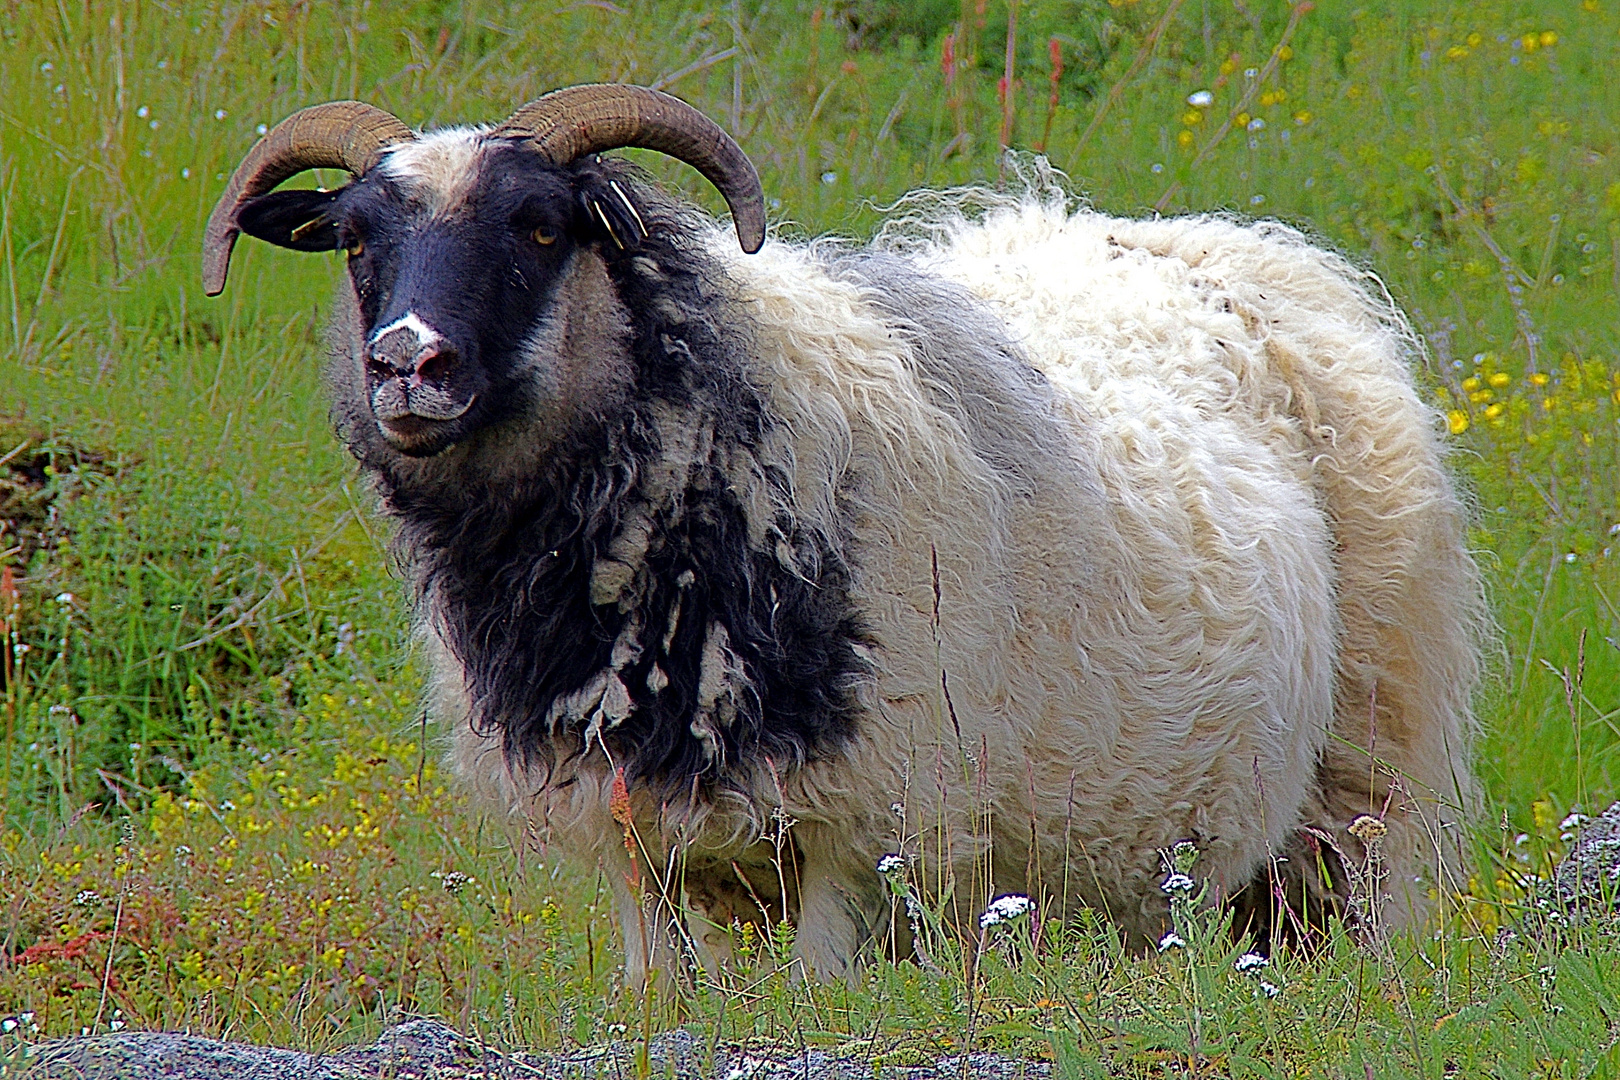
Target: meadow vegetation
222	807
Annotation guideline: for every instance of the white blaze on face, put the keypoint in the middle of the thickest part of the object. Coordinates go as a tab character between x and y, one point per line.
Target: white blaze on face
411	323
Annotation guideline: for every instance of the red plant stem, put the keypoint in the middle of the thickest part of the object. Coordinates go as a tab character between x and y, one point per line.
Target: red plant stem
1005	87
1054	52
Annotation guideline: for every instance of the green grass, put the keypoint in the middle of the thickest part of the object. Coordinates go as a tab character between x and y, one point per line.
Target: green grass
214	768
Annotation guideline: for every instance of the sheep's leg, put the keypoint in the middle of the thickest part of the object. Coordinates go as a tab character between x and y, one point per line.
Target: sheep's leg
834	924
649	922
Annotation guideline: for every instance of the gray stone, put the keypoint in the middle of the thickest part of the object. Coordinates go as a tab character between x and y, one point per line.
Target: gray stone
1588	880
429	1050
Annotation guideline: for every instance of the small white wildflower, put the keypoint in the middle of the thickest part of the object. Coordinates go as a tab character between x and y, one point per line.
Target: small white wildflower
1004	909
87	898
227	806
1256	200
829	177
1269	990
1200	99
889	864
1249	961
64	598
1571	557
1172	940
1156	167
185	174
454	881
182	851
47	66
219	114
1178	883
143	112
8	1025
1257	124
262	129
1251	73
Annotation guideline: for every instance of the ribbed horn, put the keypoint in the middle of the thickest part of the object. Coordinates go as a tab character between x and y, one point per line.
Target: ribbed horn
568	124
347	135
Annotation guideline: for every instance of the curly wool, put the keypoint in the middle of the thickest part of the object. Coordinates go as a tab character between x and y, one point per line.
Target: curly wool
1154	541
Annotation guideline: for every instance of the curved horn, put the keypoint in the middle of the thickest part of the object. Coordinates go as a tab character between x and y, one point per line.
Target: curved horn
340	135
570	123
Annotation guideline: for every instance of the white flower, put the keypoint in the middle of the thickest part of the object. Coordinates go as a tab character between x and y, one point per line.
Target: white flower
454	881
889	864
87	898
8	1025
262	128
1257	124
1172	940
1269	990
143	112
1004	909
1250	961
1201	99
219	114
1251	73
1178	883
64	598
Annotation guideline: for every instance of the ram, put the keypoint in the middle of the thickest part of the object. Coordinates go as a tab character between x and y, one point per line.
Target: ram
1024	542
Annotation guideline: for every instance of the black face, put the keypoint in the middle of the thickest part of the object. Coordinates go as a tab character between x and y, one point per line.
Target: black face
453	291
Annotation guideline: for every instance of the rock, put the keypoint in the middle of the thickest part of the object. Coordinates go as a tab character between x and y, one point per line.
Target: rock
429	1050
1588	880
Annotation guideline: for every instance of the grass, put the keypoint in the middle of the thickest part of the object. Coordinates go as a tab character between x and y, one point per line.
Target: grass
222	810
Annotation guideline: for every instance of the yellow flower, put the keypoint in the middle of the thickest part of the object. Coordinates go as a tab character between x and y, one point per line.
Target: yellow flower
1471	383
1493	411
1285	53
1548	39
1303	116
1191	117
1185	138
1241	119
1531	42
1500	379
1458	421
1352	92
1474	39
1456	52
1539	378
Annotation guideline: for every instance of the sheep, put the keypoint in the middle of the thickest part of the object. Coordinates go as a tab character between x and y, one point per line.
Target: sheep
1023	542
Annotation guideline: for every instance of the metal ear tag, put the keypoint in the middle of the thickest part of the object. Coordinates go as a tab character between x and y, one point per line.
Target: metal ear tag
596	208
307	227
630	206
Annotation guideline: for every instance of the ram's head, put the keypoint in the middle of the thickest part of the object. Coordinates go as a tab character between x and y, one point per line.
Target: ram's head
471	249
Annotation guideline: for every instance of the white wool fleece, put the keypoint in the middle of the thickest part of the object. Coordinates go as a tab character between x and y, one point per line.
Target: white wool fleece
1227	600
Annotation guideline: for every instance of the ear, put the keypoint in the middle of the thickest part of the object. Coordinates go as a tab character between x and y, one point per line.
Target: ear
292	219
609	211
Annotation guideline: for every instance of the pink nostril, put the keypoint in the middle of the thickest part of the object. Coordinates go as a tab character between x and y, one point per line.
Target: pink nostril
433	364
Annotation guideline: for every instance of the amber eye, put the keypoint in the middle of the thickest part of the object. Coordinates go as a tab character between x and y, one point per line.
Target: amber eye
356	248
544	235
